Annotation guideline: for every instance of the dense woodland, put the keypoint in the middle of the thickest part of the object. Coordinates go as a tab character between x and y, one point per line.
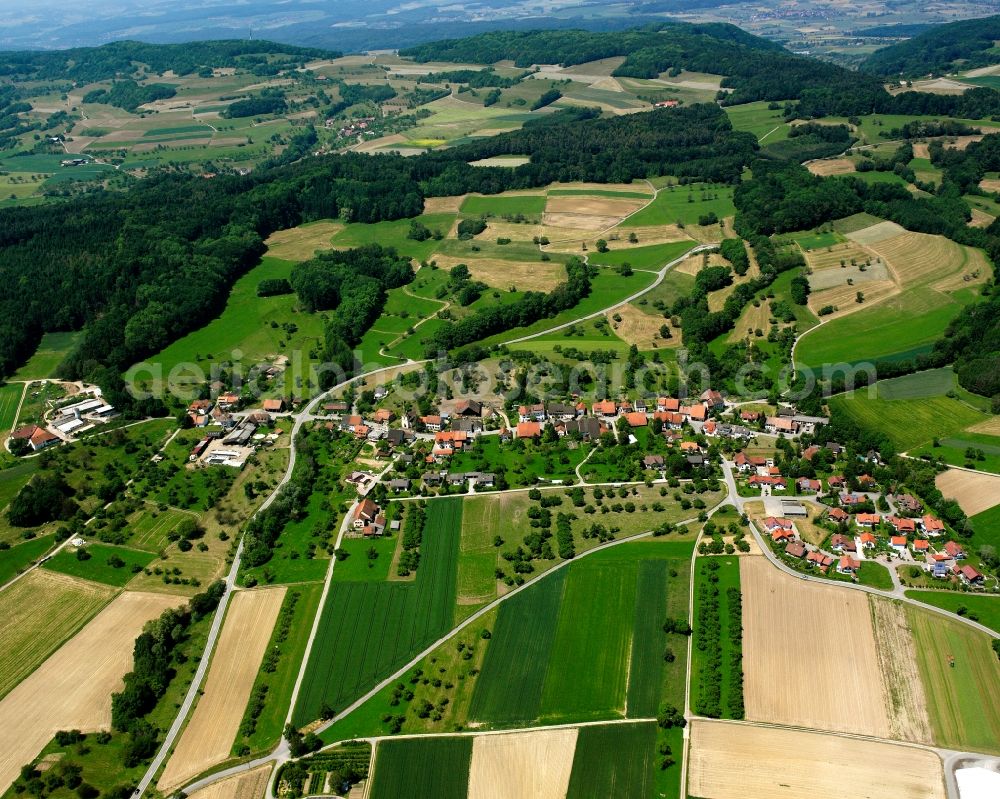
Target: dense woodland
942	48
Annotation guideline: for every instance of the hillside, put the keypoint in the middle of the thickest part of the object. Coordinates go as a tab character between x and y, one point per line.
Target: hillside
943	48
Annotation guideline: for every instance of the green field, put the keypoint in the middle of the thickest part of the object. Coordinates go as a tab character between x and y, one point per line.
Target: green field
370	629
645	675
654	256
684	204
900	329
509	689
816	241
716	685
52	350
256	327
982	608
504	205
874	575
634	195
97	567
960	672
768	125
394	234
420	768
955	450
920	385
10	398
20	556
987	527
592	642
908	422
614	760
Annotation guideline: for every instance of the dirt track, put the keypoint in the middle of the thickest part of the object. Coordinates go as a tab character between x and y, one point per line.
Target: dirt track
209	735
72	689
736	761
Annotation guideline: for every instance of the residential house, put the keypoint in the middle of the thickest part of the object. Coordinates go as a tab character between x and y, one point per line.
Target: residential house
667	405
902	525
868	520
432	422
836	481
588	427
335	408
850	500
672	420
531	413
750	417
38	438
690	446
482	479
838	515
640	405
352	423
529	430
842	543
796	549
970	576
199	407
709	427
866	481
819	560
712	400
921	546
848	565
228	401
652	462
954	550
636	419
457	478
431	479
605	408
810	452
384	416
931	526
365	516
898	543
694	413
939	570
868	541
696	459
808	486
907	503
471	426
561	411
775	483
399	484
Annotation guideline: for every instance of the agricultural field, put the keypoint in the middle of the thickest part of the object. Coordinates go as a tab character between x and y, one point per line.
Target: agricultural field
111	565
10	398
72	689
970	450
522	764
507	204
437	766
839	655
303	242
733	761
685	205
614	760
41	611
247	785
346	658
209	734
977	494
16	559
768	125
908	422
961	674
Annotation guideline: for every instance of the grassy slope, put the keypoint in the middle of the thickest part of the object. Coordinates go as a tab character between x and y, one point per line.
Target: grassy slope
97	567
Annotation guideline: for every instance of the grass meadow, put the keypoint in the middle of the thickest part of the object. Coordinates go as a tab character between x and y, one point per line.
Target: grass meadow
107	564
368	628
768	125
16	559
979	607
955	451
501	205
653	256
685	204
960	672
10	398
416	767
52	350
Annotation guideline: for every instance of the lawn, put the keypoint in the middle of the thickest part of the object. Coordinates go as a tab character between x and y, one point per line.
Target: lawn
16	559
484	518
250	330
508	691
716	683
369	629
10	398
52	350
960	672
614	760
955	450
685	205
874	575
422	767
593	643
504	205
107	564
908	423
654	256
978	607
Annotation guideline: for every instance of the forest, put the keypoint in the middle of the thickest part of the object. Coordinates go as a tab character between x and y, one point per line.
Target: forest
129	95
939	49
121	59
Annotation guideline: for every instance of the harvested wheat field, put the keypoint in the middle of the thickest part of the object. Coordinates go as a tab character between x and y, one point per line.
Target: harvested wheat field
593	206
921	150
876	233
444	205
981	218
640	328
249	785
904	691
831	166
502	274
303	242
569	240
990	427
39	612
973	491
736	761
809	654
72	689
917	258
844	298
582	222
522	765
209	735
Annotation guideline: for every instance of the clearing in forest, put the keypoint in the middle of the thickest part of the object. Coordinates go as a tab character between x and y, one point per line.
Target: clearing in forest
831	166
734	761
303	242
209	735
809	654
522	765
72	689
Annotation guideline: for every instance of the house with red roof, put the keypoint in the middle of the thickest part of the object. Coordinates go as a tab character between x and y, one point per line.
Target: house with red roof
695	413
781	425
806	485
810	452
636	419
931	526
668	404
819	560
898	542
954	550
867	520
760	481
750	416
529	430
432	422
605	408
921	546
902	525
796	549
839	515
836	481
842	543
848	565
368	518
868	541
970	576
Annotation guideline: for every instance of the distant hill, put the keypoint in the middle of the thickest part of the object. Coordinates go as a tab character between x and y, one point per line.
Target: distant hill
126	59
942	48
